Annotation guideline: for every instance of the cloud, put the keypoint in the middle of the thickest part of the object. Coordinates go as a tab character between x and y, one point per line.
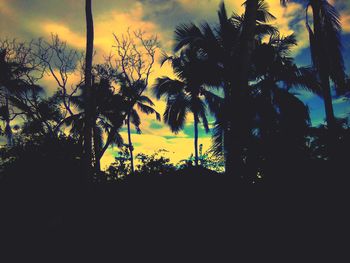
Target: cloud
66	34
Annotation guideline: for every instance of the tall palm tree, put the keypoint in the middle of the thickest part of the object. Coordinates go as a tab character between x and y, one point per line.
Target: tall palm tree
89	118
277	119
135	100
186	94
281	118
109	116
229	47
325	46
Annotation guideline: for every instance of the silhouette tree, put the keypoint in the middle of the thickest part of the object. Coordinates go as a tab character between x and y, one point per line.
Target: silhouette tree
134	60
19	93
6	80
135	100
226	46
60	62
109	114
236	101
89	107
186	94
325	46
154	164
277	119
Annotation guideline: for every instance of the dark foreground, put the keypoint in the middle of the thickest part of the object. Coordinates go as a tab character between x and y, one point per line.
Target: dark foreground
191	216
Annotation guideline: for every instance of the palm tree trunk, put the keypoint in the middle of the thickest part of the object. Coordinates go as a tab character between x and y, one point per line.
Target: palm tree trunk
131	148
196	159
88	86
323	71
238	86
323	65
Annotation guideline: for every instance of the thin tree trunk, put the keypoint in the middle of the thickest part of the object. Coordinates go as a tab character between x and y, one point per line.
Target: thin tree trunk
196	159
8	129
9	135
97	151
88	89
237	102
131	148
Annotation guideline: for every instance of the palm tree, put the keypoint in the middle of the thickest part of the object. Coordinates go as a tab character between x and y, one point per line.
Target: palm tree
109	116
277	119
186	93
134	99
228	49
89	118
325	46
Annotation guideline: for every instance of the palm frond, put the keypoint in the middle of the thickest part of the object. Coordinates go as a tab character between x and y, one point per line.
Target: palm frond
145	99
98	138
176	111
135	118
307	79
265	29
333	46
166	86
263	15
204	120
148	110
222	14
218	138
186	34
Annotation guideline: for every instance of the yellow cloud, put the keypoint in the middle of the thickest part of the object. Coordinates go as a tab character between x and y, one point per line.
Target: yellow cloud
105	25
114	22
50	83
65	33
210	6
284	16
179	147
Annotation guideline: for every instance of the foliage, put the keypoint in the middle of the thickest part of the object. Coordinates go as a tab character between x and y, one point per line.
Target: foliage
40	159
209	160
121	167
154	164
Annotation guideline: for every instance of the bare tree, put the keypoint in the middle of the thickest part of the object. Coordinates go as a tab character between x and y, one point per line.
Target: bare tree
135	56
19	92
60	62
134	60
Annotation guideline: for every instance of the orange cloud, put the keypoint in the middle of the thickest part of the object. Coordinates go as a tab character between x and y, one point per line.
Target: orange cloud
345	21
6	10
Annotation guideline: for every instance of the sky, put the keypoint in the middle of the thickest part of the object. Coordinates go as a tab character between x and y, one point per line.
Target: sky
31	19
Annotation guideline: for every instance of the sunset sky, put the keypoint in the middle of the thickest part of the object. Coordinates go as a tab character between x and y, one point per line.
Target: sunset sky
30	19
